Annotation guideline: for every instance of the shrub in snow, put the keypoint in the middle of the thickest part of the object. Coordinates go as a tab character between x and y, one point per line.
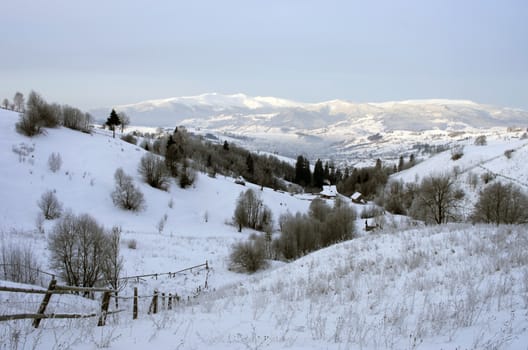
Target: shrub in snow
457	152
126	195
501	204
132	244
481	140
508	153
50	205
55	162
247	256
154	172
129	138
38	114
187	176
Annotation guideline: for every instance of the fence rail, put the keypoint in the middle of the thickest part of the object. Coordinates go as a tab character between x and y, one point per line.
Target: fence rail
166	300
170	274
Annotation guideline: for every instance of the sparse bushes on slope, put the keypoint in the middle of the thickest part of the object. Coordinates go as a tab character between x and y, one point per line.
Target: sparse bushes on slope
74	118
323	226
154	172
126	195
39	114
49	205
19	263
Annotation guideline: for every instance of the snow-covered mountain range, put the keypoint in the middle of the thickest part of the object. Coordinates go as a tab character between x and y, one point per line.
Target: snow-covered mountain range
333	129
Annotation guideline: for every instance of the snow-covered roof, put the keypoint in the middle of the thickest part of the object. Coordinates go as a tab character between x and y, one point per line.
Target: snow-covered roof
329	191
356	196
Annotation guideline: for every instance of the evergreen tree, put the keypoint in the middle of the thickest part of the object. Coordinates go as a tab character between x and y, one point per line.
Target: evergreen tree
319	174
113	121
303	174
226	146
412	160
401	164
250	167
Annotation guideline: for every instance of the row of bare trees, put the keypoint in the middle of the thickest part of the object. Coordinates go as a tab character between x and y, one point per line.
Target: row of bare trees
17	104
438	199
39	114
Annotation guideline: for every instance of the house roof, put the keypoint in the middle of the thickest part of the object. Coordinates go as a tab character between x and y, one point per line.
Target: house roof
329	191
356	196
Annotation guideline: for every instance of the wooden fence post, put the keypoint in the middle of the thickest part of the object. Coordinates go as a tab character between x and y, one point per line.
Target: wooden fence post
45	301
170	301
163	301
154	303
104	309
135	308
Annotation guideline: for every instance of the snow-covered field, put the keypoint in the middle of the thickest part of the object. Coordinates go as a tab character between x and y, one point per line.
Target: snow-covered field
446	287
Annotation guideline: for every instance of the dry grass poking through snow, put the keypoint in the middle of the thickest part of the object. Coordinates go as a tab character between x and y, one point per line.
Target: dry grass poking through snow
464	285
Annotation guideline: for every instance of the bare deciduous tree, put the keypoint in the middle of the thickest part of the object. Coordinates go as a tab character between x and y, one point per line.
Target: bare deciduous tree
37	115
251	212
50	205
437	200
18	101
124	119
80	249
113	262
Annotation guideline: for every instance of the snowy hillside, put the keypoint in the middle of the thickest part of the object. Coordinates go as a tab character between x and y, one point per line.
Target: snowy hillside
333	129
502	158
444	287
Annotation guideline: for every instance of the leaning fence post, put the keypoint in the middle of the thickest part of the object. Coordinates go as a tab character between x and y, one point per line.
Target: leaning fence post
154	304
135	307
104	308
45	301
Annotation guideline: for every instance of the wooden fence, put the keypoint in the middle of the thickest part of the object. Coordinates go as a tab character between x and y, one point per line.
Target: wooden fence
158	301
54	288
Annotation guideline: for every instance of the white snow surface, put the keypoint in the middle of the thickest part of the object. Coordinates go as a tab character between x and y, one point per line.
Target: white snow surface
445	287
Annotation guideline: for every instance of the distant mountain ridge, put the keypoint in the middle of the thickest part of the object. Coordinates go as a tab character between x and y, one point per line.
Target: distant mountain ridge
238	112
344	131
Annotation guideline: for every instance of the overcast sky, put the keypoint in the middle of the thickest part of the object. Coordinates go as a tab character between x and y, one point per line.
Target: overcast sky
104	53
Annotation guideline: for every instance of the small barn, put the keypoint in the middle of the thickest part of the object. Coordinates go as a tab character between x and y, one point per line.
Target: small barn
328	192
358	198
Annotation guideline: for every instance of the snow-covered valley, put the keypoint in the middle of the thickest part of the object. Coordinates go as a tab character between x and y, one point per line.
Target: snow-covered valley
408	286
